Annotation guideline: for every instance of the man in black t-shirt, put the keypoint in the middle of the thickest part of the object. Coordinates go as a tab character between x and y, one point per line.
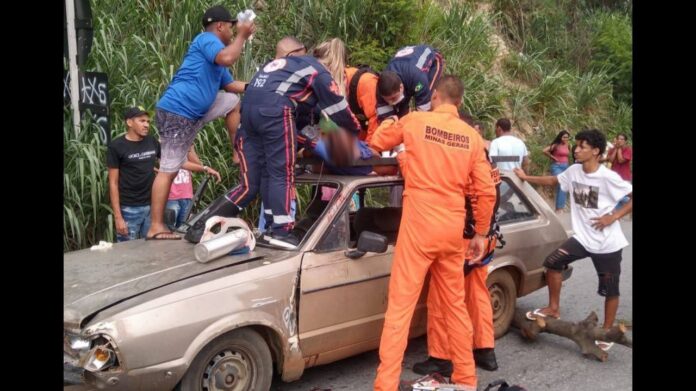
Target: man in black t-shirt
131	161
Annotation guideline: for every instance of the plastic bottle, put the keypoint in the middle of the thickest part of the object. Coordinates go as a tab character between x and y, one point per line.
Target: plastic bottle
246	16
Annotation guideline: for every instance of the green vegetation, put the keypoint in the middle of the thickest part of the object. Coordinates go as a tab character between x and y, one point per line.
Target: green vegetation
546	64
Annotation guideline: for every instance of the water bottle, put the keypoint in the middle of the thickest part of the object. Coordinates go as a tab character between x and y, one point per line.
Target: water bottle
246	16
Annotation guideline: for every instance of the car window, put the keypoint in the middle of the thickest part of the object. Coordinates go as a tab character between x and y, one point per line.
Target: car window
312	200
379	211
513	206
336	237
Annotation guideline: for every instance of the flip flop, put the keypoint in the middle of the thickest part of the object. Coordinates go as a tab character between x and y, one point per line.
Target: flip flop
604	345
532	315
158	236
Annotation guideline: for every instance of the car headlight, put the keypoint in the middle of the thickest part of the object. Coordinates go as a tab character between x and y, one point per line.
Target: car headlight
75	345
94	354
99	358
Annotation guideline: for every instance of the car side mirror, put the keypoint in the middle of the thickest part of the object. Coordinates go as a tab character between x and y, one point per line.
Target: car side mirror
368	242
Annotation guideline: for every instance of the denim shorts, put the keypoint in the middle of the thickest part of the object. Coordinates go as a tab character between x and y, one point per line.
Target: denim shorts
176	133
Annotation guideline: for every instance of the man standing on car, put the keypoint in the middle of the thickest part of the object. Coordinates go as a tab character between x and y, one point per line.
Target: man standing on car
442	154
267	141
596	190
193	98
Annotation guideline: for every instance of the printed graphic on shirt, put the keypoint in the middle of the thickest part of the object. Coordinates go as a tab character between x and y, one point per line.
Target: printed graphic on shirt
141	155
404	52
275	65
182	177
439	136
419	86
585	195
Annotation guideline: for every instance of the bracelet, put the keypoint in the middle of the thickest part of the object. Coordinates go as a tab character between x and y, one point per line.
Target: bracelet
205	169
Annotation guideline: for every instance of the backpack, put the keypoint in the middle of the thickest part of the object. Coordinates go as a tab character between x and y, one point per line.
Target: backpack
353	94
503	386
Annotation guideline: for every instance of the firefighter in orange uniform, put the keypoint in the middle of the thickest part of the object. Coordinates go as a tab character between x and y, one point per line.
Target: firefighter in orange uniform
478	304
361	91
442	153
477	299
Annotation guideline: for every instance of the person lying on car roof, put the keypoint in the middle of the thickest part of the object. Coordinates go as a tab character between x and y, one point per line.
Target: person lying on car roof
327	140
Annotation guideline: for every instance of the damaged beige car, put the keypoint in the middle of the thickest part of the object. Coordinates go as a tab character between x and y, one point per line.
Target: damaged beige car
145	315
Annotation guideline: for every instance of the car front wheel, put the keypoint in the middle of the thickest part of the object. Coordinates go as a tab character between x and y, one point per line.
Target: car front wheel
237	361
503	291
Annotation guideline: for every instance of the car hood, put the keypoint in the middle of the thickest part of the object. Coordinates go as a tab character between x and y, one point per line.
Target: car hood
95	279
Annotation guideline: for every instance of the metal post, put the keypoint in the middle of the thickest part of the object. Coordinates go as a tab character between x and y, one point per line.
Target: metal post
72	57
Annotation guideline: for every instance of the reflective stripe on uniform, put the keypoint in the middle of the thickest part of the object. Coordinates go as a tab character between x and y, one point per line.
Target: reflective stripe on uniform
282	219
423	57
333	109
294	78
384	110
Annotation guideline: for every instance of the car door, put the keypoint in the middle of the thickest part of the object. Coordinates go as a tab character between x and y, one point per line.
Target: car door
342	300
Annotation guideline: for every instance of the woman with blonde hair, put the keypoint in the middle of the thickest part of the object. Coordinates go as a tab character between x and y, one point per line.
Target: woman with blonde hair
332	55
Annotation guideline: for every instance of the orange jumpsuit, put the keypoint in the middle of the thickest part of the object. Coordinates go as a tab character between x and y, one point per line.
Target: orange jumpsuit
442	152
367	99
478	304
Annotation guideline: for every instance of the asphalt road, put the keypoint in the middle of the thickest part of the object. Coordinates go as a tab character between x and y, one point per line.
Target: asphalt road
550	363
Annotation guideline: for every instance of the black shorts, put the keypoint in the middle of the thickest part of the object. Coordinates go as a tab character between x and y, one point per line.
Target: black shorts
608	266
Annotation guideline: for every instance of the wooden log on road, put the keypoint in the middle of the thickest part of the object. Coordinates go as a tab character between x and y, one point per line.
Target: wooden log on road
583	333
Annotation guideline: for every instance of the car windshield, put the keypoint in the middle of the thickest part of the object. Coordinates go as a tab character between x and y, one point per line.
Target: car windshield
312	198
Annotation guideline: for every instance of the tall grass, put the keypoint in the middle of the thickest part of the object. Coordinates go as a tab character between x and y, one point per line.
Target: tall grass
86	210
550	79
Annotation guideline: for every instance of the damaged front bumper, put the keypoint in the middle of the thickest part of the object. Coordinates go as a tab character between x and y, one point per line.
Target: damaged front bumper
160	377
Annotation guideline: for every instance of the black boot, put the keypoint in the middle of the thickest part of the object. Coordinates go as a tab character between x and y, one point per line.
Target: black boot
432	365
485	359
220	207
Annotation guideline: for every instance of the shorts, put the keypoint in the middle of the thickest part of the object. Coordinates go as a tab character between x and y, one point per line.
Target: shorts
177	132
608	266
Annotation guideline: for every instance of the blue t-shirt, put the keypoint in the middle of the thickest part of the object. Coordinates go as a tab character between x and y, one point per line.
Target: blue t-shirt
199	78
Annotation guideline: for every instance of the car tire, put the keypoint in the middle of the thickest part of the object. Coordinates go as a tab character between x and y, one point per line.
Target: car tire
239	360
503	291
